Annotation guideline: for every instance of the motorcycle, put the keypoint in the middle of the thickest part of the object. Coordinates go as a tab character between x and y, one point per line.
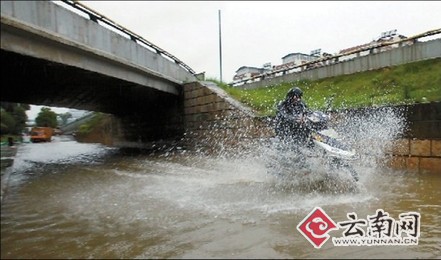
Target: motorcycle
323	156
328	141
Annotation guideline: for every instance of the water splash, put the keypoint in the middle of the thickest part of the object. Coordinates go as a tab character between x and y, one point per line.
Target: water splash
234	184
246	177
371	132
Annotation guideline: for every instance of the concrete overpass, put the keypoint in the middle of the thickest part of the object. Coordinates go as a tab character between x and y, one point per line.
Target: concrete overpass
66	55
54	56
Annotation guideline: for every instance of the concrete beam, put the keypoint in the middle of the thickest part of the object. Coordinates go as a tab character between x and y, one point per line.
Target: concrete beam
45	30
30	41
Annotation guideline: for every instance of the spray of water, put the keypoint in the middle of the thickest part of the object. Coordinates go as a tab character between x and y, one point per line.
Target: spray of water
372	133
369	132
258	177
235	185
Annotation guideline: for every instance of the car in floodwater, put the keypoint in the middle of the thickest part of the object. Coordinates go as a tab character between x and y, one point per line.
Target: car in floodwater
41	134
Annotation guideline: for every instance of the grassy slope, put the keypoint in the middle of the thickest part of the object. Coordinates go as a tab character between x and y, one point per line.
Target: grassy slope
403	84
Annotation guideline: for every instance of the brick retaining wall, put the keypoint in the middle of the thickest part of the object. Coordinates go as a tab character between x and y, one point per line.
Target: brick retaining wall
416	154
213	121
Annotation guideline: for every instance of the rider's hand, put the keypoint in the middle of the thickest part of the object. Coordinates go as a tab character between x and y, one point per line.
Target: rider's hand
299	119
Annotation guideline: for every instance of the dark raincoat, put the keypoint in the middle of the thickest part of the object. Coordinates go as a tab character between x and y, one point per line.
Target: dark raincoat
287	125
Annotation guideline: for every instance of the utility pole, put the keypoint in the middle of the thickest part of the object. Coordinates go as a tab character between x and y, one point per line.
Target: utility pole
220	46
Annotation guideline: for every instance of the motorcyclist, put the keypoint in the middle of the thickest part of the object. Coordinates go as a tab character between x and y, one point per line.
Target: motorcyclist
290	118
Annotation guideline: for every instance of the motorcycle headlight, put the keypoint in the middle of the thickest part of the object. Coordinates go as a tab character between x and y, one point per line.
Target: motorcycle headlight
317	137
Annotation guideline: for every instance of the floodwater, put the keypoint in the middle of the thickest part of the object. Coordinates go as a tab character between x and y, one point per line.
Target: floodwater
69	200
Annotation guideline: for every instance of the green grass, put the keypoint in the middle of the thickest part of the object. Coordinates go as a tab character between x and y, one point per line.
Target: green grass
91	124
410	83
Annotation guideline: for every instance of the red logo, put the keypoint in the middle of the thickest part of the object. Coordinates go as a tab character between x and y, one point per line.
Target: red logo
315	227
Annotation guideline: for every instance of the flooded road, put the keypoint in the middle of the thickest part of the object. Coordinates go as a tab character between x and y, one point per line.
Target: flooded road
70	200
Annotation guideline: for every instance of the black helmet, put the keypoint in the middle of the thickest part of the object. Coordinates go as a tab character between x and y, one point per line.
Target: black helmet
297	92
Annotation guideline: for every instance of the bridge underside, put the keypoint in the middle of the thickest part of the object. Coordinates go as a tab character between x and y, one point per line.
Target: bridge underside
40	82
143	114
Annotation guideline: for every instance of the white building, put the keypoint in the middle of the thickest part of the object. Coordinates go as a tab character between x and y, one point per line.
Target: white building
294	59
246	72
298	58
384	38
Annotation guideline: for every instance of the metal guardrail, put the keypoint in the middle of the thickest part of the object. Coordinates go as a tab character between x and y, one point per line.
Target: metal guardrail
95	16
335	57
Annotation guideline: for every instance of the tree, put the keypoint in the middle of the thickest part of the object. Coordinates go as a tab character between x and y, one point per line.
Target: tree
7	122
46	117
20	117
64	117
13	117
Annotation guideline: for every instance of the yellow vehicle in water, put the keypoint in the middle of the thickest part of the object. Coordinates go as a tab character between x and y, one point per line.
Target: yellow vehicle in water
41	134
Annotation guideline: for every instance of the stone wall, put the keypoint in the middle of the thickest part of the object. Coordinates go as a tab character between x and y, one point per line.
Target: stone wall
420	148
422	155
214	122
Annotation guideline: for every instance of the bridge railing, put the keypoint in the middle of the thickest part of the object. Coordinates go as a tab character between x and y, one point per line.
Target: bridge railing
331	58
95	16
